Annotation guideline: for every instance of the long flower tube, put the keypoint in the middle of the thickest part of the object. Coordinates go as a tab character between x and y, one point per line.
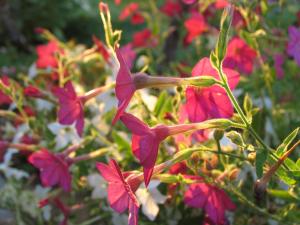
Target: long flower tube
127	83
146	140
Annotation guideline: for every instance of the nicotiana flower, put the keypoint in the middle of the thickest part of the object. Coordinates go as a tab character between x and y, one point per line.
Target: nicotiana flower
58	204
101	48
127	84
239	56
5	165
121	188
211	102
98	184
171	8
64	135
146	140
128	54
46	55
144	38
293	48
132	10
150	198
71	107
278	62
54	168
213	200
195	26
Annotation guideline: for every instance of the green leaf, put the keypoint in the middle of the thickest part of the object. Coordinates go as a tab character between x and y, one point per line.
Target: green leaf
121	142
282	194
163	104
286	142
261	157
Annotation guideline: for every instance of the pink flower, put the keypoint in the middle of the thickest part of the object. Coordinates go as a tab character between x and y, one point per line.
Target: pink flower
32	91
58	204
54	169
171	8
210	198
131	10
101	48
220	4
146	140
117	2
212	102
293	48
70	107
4	99
195	26
125	87
128	54
121	190
188	2
278	62
239	56
46	55
144	38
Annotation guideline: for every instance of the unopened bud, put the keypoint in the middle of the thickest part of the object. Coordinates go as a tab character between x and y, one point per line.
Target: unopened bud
218	134
103	8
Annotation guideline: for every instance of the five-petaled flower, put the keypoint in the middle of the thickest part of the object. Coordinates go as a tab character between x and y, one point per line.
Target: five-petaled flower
46	55
146	140
195	26
171	8
54	168
240	56
211	102
121	189
70	107
144	38
293	48
213	200
132	10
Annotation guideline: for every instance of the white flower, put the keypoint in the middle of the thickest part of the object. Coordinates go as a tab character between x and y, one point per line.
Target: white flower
149	100
32	72
43	105
64	134
119	219
107	100
98	184
149	198
9	171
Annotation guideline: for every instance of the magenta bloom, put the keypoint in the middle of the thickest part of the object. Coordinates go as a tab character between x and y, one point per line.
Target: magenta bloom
211	199
120	190
212	102
54	169
293	48
195	26
128	54
278	62
125	87
4	99
32	91
171	8
239	56
46	55
70	107
146	140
